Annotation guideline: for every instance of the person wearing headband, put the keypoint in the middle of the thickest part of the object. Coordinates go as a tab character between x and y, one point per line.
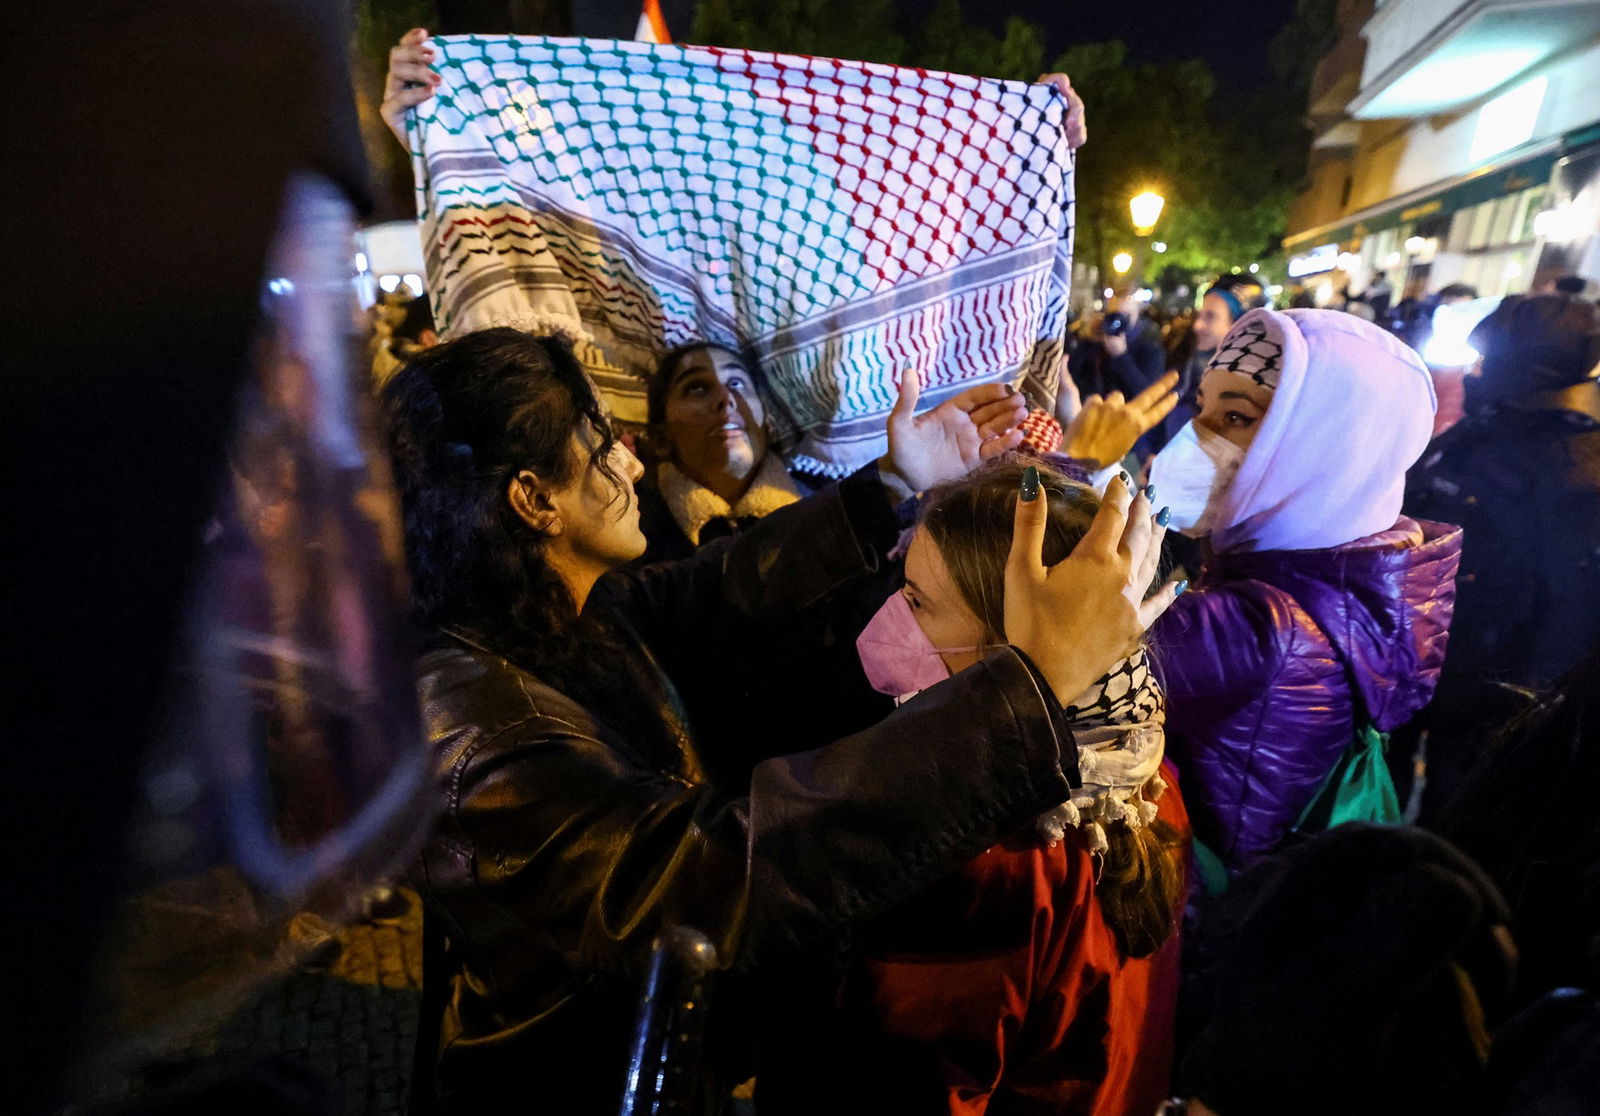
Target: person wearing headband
1041	974
1319	609
1225	302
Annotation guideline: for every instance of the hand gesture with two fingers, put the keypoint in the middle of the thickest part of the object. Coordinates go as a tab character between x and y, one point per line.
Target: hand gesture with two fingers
1105	429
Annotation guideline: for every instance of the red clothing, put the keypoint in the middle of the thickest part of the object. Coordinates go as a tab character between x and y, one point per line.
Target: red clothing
1006	980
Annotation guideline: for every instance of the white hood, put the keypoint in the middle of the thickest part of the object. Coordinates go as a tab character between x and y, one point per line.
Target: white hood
1353	410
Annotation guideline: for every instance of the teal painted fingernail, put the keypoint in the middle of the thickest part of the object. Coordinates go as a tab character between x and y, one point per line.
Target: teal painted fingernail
1030	485
1178	592
1163	517
1149	492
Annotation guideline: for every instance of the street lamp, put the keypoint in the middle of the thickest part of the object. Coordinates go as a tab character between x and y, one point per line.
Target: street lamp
1121	262
1146	211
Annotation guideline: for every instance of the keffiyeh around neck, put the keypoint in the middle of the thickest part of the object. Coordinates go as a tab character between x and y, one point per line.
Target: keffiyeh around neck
1118	728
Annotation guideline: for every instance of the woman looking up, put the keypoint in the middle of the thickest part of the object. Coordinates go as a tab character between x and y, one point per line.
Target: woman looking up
1319	608
715	471
577	822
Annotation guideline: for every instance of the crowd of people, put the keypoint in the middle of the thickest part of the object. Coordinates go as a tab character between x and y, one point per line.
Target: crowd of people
989	794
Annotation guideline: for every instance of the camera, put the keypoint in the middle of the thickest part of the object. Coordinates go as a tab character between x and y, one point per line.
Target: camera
1115	324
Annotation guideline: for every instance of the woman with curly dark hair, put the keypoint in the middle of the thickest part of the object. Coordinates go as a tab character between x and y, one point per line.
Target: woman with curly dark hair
577	820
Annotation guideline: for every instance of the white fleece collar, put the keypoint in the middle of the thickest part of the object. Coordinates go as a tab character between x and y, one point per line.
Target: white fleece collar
693	505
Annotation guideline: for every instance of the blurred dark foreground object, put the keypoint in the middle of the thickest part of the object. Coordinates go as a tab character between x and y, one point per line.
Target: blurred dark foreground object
1360	971
669	1034
208	690
1526	814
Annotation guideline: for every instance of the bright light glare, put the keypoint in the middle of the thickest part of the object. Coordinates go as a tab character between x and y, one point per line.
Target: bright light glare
1144	294
1452	325
1145	209
1392	261
361	262
414	281
1254	268
1415	245
1562	224
389	282
1110	292
1159	246
1441	82
1508	120
1121	262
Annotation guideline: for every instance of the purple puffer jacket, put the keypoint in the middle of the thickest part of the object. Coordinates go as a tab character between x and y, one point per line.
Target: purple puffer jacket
1258	663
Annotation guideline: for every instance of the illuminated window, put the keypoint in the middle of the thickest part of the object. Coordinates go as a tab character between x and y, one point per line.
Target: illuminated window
1508	120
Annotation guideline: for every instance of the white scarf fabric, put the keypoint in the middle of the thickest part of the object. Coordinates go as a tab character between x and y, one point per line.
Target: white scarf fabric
1352	411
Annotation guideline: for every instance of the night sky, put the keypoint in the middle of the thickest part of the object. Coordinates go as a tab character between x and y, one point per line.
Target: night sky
1232	35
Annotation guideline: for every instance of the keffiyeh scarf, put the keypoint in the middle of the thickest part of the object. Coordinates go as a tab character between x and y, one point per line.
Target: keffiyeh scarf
1118	726
832	221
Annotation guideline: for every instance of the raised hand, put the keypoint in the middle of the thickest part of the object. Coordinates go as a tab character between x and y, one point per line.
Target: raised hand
1077	618
946	442
1105	429
409	81
1076	124
1069	401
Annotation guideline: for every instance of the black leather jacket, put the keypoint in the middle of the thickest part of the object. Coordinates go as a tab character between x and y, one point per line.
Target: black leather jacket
565	847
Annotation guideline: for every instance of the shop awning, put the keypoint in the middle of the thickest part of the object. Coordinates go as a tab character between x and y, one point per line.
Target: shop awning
1517	171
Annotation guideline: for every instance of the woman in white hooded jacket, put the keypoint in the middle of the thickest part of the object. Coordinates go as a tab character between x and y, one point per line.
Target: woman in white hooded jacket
1320	611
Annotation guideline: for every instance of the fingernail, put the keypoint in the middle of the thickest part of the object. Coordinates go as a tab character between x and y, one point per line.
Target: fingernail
1149	492
1178	592
1163	517
1127	481
1030	485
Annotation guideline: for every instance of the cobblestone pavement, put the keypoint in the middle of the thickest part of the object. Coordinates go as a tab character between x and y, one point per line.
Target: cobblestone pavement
350	1015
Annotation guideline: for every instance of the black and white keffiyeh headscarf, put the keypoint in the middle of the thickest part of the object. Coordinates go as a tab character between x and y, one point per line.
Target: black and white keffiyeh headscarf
1251	349
1118	726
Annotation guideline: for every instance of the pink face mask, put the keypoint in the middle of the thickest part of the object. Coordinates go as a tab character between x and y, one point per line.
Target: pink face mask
897	655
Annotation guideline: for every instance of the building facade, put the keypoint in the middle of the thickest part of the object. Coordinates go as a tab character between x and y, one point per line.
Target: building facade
1456	141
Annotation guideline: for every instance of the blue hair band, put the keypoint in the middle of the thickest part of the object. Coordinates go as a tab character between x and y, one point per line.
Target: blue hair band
1231	299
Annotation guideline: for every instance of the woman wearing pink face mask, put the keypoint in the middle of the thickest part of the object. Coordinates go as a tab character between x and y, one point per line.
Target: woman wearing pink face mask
1042	974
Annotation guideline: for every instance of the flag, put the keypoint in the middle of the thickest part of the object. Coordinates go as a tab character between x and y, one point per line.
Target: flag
833	221
652	24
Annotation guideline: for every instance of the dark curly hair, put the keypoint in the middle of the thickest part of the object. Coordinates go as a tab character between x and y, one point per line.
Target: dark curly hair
463	419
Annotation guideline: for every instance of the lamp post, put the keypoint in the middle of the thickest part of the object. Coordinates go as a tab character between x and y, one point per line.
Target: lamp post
1145	209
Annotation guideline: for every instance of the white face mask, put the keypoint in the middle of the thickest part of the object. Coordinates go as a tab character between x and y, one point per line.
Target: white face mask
1193	474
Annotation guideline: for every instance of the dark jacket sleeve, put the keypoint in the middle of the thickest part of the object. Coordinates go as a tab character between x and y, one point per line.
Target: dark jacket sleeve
554	838
730	592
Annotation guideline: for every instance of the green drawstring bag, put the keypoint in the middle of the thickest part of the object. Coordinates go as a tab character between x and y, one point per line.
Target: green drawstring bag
1359	788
